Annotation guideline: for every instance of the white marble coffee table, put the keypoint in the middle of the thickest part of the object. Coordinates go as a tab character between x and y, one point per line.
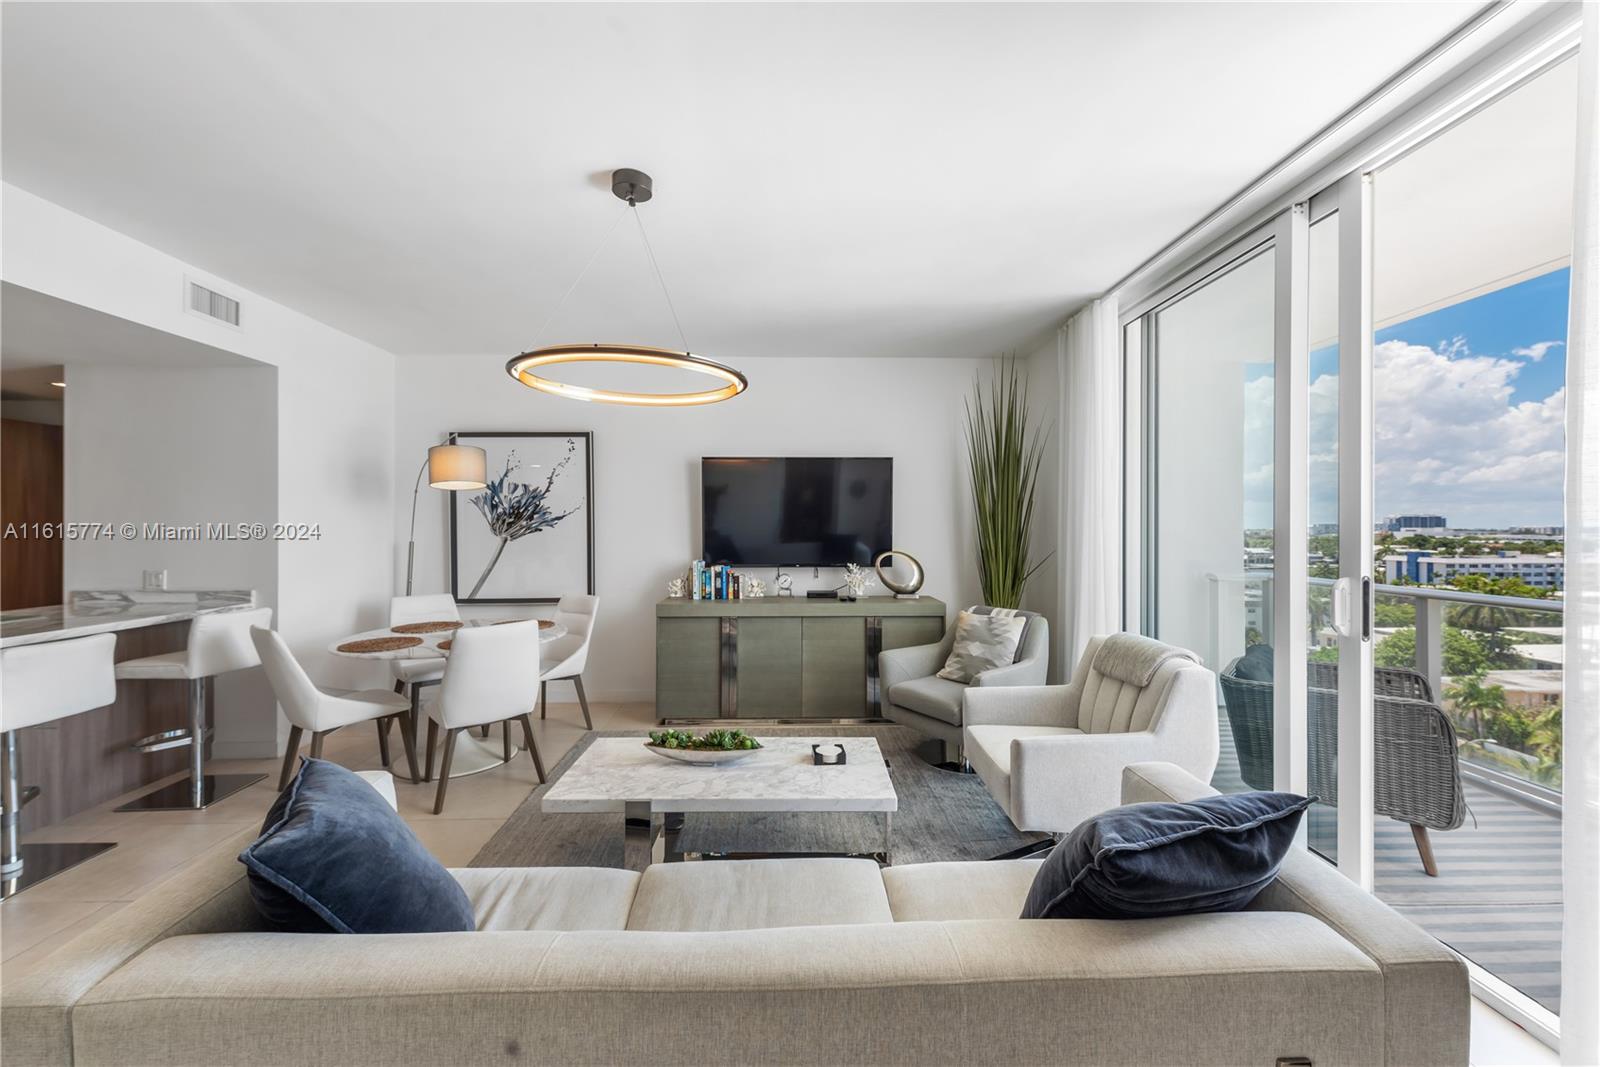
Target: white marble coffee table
618	774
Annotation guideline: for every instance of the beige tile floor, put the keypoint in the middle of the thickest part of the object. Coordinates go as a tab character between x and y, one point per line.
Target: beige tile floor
152	846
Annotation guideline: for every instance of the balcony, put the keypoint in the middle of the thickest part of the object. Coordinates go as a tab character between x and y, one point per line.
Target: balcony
1494	665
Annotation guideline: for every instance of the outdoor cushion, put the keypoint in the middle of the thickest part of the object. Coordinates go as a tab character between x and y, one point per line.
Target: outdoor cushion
1255	665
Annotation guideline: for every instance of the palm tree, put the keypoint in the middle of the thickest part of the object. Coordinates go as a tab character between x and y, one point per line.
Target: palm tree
1470	695
1545	741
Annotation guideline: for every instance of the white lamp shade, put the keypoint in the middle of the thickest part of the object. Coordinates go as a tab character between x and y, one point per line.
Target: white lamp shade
457	467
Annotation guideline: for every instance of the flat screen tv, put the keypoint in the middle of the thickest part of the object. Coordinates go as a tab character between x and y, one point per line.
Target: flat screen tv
797	512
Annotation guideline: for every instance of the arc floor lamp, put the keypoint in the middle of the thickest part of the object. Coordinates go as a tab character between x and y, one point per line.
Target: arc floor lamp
449	467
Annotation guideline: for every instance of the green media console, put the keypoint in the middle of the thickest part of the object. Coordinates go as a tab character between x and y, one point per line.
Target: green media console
782	657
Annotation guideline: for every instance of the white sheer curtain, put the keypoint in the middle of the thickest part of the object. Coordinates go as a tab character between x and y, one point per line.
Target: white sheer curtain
1580	808
1091	479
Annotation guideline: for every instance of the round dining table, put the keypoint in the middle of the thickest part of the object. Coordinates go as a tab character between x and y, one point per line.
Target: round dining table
432	641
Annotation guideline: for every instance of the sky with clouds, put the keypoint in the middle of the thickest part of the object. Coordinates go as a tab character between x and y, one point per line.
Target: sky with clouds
1468	406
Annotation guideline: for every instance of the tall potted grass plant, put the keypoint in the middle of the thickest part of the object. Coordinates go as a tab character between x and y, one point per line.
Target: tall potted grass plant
1004	450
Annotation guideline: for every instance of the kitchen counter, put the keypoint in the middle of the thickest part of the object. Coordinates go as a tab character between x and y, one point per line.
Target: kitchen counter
108	610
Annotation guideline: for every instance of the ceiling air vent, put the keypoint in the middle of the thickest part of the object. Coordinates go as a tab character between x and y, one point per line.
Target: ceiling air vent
213	305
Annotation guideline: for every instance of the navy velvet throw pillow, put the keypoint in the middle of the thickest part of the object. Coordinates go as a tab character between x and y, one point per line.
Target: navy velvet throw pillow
334	857
1146	860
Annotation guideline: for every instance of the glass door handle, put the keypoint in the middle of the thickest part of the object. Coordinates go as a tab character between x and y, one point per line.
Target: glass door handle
1341	607
1366	608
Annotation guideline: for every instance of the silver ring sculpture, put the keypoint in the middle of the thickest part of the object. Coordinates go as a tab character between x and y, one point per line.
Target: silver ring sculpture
906	588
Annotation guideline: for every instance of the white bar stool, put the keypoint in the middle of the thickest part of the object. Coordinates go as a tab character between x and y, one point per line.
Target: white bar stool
218	644
42	683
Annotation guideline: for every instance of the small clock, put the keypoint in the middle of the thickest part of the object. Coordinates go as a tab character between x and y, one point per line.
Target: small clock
785	584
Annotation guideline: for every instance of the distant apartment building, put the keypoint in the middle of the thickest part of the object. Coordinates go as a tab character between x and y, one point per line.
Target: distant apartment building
1396	523
1427	568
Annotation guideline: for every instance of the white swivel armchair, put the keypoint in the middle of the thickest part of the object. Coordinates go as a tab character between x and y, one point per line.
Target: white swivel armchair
1053	755
569	653
310	708
492	676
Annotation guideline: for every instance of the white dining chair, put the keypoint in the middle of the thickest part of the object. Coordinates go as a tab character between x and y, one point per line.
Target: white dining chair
569	653
310	708
218	644
492	676
411	675
44	683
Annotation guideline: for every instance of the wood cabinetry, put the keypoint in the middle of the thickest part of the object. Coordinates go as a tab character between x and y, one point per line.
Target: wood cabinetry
782	657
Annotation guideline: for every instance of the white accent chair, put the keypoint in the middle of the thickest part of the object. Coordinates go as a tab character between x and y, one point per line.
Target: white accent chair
321	712
492	676
43	683
1053	755
569	653
218	643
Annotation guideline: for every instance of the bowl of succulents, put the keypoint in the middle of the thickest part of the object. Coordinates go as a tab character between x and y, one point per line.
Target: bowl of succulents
712	747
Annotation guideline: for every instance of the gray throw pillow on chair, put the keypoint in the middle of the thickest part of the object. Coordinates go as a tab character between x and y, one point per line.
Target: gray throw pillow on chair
985	639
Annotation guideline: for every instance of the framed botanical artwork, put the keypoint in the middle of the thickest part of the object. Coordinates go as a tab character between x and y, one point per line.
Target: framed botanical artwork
528	536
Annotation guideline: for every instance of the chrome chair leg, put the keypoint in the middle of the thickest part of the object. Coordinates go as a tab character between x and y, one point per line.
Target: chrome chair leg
199	790
11	860
22	865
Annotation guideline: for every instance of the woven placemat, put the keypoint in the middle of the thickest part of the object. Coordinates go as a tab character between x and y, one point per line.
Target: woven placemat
444	646
380	644
425	627
544	624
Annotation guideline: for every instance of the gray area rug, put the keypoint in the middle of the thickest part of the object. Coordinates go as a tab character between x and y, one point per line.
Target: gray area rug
943	815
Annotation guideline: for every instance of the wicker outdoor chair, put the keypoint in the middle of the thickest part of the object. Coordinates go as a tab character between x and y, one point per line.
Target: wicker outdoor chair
1416	770
1402	682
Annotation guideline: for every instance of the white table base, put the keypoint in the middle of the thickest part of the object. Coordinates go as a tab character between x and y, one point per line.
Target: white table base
473	754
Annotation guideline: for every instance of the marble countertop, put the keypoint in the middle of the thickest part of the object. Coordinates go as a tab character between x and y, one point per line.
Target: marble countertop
780	777
99	611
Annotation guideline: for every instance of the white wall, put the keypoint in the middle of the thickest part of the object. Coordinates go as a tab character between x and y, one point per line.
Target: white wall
178	446
335	415
647	506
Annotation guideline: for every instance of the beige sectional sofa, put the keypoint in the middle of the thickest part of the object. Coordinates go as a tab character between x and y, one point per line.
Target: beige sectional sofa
758	962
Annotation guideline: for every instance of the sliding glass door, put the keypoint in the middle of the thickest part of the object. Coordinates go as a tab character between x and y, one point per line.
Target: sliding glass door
1351	448
1211	554
1471	243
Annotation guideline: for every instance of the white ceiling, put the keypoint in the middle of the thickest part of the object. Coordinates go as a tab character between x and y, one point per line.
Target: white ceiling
43	332
910	179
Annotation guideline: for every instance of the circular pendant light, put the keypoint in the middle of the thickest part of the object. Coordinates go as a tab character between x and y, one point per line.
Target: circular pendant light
633	187
528	367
